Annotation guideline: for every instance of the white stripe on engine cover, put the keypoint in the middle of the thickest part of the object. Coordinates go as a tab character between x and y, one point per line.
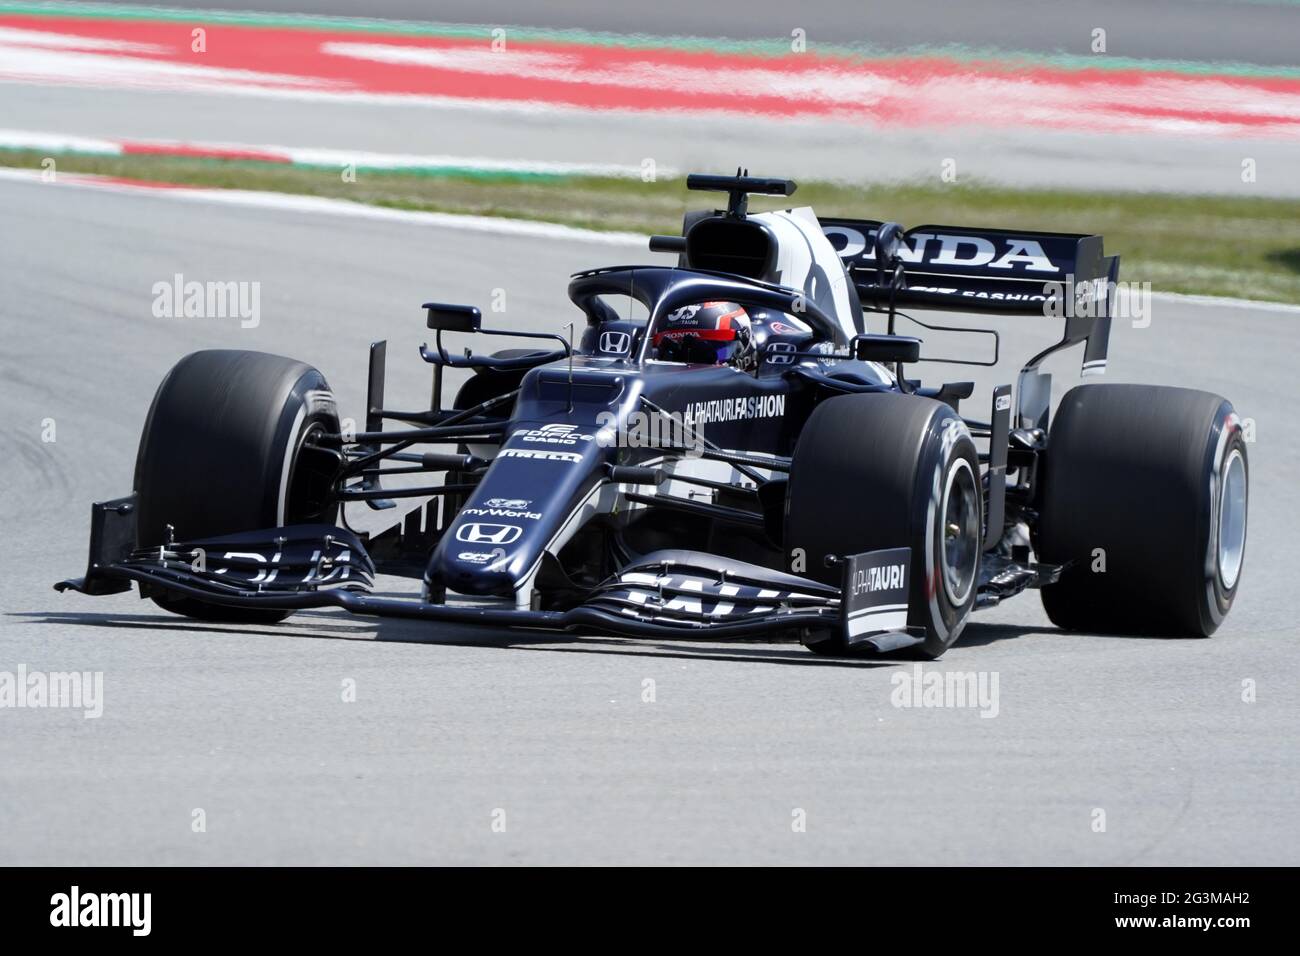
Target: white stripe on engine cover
801	246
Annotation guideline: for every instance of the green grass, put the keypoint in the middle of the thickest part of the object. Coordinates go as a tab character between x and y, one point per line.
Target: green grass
1247	247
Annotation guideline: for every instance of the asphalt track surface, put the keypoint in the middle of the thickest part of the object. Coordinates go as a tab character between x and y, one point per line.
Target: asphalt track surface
450	725
1234	31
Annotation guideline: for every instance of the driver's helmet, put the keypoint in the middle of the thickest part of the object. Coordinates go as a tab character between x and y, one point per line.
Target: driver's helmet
711	333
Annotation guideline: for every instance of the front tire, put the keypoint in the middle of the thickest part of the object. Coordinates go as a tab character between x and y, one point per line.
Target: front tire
887	470
1145	495
224	450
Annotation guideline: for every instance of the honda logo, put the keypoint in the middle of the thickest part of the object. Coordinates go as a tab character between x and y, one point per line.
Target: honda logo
476	533
615	343
780	353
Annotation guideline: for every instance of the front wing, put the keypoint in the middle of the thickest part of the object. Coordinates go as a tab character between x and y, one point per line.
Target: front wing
674	594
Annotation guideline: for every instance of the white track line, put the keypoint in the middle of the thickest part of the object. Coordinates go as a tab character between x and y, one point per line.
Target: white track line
58	142
1226	302
314	156
334	207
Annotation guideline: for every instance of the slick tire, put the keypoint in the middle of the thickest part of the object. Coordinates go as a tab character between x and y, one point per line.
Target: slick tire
222	451
1145	494
889	471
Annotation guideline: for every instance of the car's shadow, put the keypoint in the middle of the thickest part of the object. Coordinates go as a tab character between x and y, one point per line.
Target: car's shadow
335	625
330	625
979	634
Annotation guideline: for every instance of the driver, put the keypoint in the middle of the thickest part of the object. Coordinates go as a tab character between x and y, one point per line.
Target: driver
711	333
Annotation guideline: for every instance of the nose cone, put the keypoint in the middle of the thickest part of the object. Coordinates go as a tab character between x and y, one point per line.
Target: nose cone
523	505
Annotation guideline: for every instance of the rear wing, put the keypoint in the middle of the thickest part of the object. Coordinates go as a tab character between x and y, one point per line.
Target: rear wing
997	271
963	269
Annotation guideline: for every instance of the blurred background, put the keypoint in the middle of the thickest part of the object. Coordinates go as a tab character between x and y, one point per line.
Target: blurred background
1102	116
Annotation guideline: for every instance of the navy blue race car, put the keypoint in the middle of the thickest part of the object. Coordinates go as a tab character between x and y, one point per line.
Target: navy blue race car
747	457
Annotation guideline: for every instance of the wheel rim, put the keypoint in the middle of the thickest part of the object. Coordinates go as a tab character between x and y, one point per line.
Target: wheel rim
1232	519
959	555
309	497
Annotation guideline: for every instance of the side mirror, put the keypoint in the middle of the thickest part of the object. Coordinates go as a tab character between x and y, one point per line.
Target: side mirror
886	348
453	318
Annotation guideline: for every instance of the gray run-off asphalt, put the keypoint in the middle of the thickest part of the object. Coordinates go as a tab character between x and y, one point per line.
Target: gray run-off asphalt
449	725
802	150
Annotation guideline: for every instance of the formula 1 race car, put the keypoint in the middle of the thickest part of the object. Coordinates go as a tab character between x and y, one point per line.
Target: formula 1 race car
743	459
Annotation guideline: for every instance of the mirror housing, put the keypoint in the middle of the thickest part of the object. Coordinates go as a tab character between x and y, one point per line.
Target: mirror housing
445	317
886	349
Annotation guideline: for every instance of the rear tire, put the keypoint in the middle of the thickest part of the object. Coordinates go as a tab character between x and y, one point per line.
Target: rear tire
222	452
1145	493
889	471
